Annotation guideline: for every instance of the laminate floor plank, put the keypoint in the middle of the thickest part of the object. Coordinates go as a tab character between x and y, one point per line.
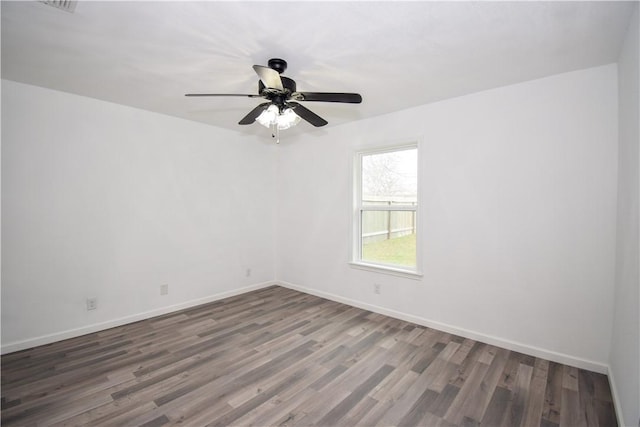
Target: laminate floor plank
535	404
477	401
519	397
284	402
441	405
359	411
553	394
276	356
278	411
466	395
394	386
497	409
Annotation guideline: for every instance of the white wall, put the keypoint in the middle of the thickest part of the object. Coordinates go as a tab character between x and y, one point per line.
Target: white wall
101	200
625	348
518	215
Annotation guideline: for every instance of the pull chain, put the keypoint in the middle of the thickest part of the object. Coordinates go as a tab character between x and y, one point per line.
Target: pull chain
276	133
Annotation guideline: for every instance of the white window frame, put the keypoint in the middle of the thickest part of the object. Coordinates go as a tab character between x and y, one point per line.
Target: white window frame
358	209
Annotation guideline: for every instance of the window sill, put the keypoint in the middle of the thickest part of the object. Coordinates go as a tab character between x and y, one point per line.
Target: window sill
387	270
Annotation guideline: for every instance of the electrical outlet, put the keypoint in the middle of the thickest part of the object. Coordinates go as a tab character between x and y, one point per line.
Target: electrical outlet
376	288
92	303
164	289
248	273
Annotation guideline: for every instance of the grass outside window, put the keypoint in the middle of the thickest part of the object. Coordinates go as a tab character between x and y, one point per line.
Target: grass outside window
400	251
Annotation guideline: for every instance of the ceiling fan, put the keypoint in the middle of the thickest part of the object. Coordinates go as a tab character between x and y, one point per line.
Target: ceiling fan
282	109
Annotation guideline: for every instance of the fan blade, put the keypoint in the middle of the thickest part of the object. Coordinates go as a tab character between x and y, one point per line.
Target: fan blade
307	114
253	114
222	94
351	98
270	77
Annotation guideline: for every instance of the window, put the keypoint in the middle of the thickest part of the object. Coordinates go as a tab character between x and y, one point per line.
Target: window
386	209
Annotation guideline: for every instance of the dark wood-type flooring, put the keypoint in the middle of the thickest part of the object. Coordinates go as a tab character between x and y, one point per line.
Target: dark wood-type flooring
280	357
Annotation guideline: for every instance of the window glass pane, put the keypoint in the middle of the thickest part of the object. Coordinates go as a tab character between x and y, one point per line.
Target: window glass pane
390	178
389	237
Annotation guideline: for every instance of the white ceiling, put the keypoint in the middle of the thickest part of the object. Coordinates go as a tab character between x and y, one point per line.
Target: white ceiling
148	54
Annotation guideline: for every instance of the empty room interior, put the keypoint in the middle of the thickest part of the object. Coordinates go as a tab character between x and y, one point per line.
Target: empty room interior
320	213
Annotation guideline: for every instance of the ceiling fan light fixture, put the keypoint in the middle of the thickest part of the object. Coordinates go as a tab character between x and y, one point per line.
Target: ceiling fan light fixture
272	117
287	119
268	117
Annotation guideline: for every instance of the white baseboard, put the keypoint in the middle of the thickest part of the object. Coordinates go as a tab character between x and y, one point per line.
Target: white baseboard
616	400
96	327
474	335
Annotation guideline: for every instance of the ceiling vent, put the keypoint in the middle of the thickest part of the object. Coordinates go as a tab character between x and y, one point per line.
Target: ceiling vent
66	5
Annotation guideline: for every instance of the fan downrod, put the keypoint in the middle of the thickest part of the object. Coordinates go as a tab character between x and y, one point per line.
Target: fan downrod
280	65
